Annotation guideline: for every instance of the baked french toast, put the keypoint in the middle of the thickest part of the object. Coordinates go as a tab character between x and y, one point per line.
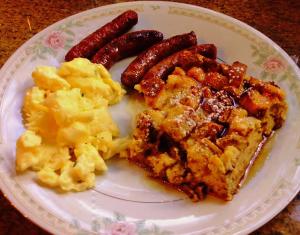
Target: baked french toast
204	125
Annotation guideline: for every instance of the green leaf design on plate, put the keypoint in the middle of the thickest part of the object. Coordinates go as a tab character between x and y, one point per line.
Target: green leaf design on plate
39	50
41	56
69	40
264	55
297	161
140	224
263	75
254	53
146	232
273	76
119	217
69	32
107	221
155	8
33	58
96	226
282	78
75	224
80	232
67	47
78	23
51	51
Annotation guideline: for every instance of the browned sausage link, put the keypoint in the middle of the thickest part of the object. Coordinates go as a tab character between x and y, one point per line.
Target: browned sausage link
93	42
151	84
207	50
138	67
184	58
126	45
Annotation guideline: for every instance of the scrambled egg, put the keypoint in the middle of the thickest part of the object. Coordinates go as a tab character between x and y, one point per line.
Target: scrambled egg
69	129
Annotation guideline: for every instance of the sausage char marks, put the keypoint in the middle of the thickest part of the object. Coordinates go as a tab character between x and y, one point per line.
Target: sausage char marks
185	59
87	47
153	81
139	66
126	45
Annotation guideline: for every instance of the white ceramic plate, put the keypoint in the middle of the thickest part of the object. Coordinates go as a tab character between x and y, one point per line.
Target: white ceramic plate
125	201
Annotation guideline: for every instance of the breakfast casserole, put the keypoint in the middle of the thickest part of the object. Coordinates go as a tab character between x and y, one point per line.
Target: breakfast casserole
203	126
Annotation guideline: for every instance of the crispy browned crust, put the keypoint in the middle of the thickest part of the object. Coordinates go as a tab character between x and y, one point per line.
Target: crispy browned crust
204	125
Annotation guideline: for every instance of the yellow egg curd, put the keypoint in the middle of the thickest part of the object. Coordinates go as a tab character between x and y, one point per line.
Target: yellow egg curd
69	130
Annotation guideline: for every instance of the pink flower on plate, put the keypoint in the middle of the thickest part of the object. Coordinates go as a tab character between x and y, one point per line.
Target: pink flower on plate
55	40
121	228
274	65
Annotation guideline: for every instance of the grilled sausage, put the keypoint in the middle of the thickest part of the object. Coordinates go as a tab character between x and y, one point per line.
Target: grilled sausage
185	58
93	42
138	67
126	45
153	81
207	50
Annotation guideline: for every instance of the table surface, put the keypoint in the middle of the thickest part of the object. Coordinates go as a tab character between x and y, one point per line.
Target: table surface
278	19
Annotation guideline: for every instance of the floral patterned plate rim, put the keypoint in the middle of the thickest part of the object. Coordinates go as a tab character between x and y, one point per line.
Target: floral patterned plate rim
124	200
